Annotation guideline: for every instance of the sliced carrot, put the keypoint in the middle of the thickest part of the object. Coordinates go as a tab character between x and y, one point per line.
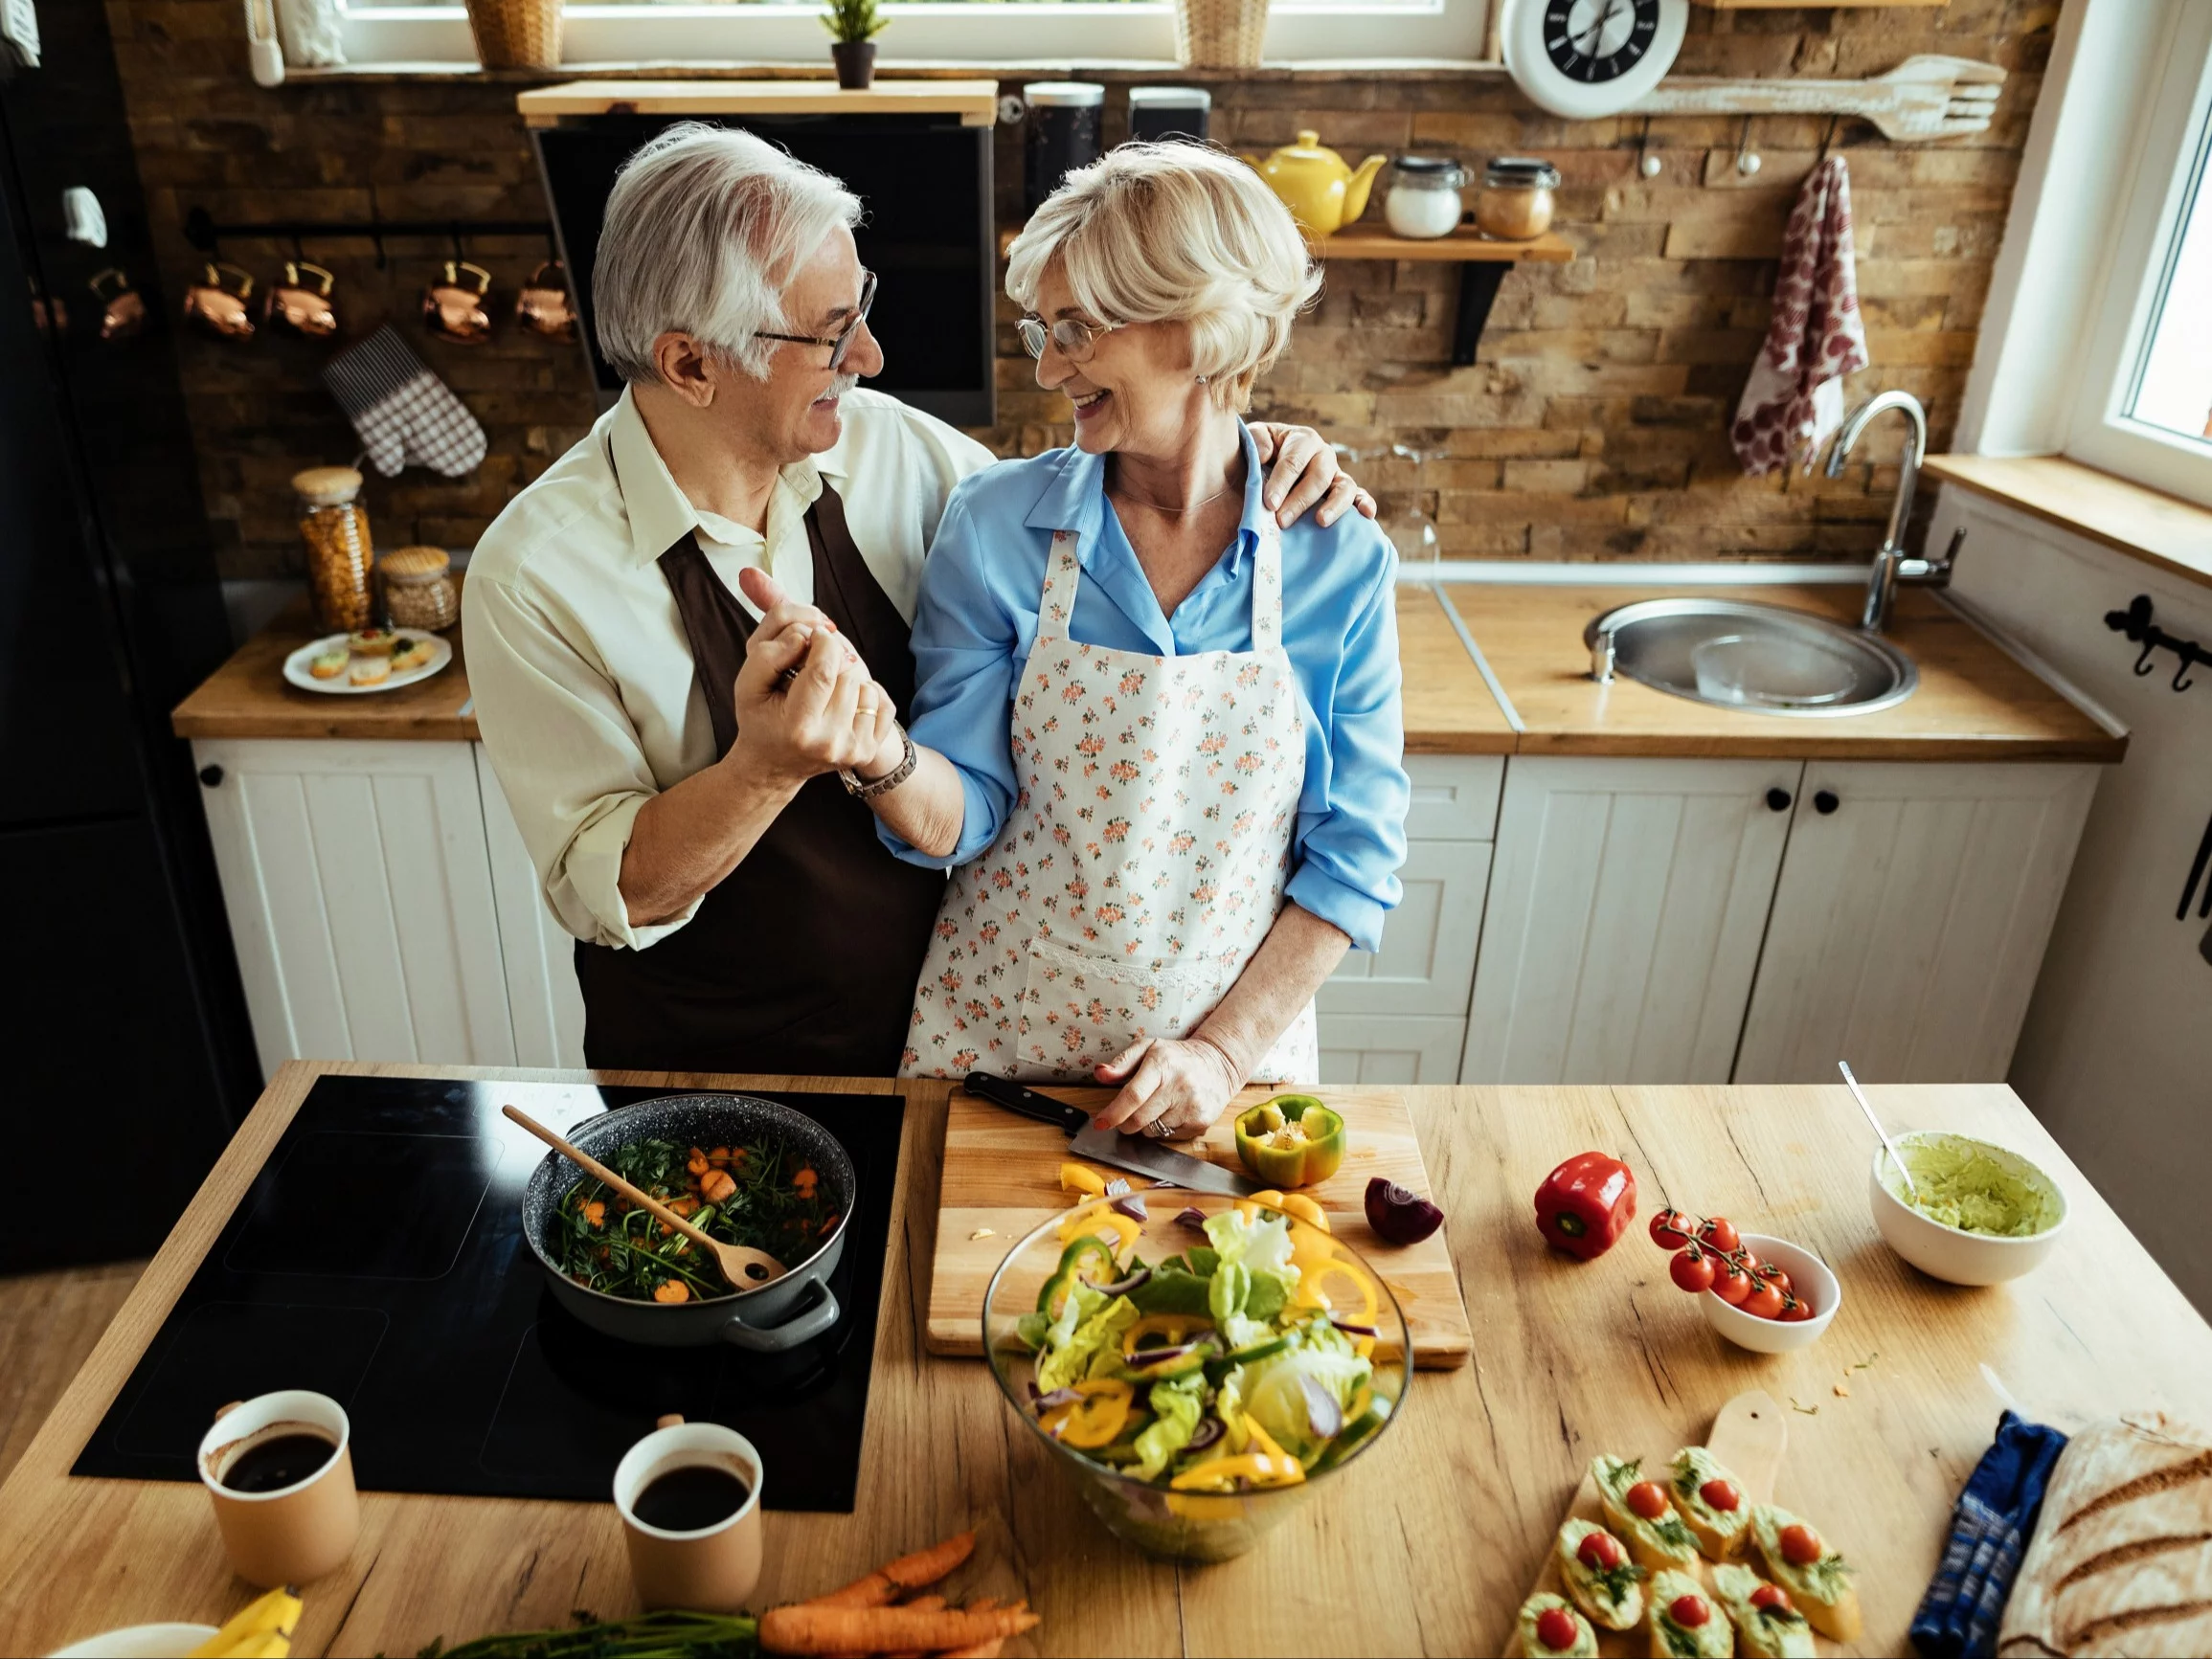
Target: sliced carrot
673	1290
697	1162
596	1213
717	1186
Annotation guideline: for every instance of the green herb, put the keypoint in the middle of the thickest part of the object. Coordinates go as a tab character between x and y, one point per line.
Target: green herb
1826	1575
652	1636
1679	1640
1616	1581
1867	1363
1807	1410
850	20
626	1254
1669	1529
1788	1617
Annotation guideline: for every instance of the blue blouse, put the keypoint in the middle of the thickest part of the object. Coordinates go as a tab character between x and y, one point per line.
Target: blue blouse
977	618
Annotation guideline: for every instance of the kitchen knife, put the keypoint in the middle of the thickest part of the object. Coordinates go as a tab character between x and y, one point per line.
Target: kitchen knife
1135	1152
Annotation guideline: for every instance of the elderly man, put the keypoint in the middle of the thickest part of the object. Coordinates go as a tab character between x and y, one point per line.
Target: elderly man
683	759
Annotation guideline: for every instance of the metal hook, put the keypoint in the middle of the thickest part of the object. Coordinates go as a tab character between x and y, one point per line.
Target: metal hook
1647	165
1828	138
2190	658
1748	159
2143	663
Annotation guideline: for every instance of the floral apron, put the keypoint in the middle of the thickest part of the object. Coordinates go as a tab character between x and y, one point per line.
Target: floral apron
1142	862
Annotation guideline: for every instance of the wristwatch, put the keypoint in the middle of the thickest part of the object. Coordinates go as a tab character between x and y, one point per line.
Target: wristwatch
867	789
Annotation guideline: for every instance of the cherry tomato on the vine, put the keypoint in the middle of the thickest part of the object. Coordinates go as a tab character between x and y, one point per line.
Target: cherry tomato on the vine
1763	1302
1691	1270
1670	1230
1730	1282
1794	1309
1772	1270
1719	1233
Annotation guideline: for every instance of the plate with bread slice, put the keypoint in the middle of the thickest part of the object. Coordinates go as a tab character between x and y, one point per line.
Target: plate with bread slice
1688	1559
367	661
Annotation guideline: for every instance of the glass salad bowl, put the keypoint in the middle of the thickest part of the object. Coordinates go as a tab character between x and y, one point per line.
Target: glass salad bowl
1199	1364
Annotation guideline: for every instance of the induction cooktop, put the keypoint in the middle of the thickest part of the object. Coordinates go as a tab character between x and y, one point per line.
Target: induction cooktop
378	1258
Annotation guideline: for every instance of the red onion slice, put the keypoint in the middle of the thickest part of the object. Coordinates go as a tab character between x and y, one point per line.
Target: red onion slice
1351	1330
1122	1286
1209	1430
1323	1415
1191	1216
1117	1187
1044	1403
1146	1358
1132	1205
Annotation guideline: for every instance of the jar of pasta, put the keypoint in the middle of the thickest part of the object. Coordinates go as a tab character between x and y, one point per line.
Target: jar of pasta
334	527
418	591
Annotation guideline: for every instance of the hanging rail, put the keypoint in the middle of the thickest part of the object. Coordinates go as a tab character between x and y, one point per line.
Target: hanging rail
204	231
2137	624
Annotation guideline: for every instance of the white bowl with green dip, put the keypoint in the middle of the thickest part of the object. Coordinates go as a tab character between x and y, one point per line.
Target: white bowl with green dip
1984	1214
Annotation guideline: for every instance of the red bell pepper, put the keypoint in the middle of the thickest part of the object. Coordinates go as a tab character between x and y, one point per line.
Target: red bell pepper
1584	1204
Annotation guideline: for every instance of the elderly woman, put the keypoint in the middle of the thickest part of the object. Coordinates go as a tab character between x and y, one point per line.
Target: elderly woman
1174	793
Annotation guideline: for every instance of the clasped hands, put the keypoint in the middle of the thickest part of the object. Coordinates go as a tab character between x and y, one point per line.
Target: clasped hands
807	703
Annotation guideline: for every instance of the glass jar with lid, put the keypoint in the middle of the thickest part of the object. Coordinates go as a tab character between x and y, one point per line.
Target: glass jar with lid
1516	202
418	591
334	527
1424	200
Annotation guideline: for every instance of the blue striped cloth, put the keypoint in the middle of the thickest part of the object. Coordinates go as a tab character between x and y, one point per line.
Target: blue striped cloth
1990	1529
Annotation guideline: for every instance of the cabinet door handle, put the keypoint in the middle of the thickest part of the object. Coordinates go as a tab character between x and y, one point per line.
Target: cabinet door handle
1778	800
212	777
1825	801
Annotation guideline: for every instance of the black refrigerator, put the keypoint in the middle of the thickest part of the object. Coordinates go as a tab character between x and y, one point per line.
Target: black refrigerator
125	1057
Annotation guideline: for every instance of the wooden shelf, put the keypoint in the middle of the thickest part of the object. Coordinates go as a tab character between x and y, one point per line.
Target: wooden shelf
2127	517
1463	247
975	101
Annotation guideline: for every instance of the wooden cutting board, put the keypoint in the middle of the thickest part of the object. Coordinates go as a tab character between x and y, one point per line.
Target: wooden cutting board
1748	1436
1002	1177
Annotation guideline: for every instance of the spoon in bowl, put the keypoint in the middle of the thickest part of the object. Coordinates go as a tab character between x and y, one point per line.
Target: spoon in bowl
745	1267
1858	1094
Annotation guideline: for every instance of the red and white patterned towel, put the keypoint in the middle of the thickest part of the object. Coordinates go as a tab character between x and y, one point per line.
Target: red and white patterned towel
1794	401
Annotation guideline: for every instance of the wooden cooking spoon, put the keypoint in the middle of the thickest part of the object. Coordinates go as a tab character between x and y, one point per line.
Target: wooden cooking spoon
745	1268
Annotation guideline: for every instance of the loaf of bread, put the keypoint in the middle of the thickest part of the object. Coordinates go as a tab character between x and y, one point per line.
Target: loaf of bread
2121	1562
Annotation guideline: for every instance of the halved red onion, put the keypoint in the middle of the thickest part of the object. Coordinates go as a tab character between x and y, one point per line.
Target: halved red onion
1122	1286
1132	1205
1323	1415
1399	1216
1191	1216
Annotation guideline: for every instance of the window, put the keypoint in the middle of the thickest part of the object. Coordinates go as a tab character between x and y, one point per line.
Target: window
2144	408
974	31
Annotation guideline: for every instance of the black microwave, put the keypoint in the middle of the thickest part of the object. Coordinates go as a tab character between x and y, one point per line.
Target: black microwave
925	184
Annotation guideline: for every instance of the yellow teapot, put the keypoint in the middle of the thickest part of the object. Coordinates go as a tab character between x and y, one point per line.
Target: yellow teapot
1324	192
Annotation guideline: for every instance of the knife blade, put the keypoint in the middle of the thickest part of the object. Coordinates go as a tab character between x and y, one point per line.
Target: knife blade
1134	1153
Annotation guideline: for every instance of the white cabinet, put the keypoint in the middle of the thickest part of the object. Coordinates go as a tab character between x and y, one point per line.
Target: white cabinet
1627	903
1911	920
539	957
1398	1013
360	898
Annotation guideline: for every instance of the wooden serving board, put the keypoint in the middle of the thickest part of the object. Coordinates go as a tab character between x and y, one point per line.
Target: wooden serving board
1748	1436
1002	1177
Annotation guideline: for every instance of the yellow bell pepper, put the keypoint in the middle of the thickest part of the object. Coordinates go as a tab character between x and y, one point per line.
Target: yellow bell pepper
1311	1290
1097	1217
1168	1330
1095	1419
1081	1178
1266	1465
1296	1205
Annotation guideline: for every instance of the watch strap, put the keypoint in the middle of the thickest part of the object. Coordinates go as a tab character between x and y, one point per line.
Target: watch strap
868	789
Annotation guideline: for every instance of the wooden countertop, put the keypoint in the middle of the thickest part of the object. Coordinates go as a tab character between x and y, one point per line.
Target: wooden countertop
1449	710
1424	1545
1974	702
2161	530
249	697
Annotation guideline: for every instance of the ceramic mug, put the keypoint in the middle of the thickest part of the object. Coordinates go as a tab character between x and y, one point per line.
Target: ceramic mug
219	302
300	305
453	307
544	307
711	1571
297	1531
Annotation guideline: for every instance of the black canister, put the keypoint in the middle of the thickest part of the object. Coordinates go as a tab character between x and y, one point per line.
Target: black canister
1158	112
1063	134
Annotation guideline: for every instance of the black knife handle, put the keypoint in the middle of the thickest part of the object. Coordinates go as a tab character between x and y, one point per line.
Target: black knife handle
1007	1092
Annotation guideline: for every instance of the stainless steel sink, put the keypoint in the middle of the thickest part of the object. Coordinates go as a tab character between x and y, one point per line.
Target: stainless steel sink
1763	659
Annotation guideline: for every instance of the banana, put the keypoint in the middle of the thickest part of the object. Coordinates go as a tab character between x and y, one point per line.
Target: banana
277	1613
267	1644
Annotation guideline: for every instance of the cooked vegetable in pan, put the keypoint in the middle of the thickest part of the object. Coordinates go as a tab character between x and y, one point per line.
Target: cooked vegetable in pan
763	1195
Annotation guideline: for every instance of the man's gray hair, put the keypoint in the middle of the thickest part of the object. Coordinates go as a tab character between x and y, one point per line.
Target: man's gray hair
705	228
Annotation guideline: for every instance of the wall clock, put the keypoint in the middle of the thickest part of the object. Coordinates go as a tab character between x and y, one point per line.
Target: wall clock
1586	59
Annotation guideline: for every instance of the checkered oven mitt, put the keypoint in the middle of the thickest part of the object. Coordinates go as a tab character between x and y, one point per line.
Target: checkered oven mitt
404	413
1990	1529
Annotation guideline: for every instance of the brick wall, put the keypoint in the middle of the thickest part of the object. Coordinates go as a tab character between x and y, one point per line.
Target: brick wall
1593	426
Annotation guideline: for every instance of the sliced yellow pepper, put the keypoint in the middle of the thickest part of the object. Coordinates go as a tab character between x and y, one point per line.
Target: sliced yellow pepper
1267	1466
1296	1205
1312	1292
1081	1178
1171	1330
1095	1419
1097	1217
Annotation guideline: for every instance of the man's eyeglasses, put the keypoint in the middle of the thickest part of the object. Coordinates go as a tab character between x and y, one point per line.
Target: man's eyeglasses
841	342
1076	339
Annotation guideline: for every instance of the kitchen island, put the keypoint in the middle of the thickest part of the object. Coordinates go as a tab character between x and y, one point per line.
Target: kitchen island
1424	1546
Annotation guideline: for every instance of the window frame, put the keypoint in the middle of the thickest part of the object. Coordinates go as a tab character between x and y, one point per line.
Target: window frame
2099	432
1027	38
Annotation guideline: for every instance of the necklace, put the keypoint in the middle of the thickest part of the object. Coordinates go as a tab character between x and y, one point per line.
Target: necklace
1128	494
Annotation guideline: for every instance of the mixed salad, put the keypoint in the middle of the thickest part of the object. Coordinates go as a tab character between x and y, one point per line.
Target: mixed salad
1241	1362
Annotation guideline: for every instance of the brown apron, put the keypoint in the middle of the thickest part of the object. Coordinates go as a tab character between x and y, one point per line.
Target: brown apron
804	958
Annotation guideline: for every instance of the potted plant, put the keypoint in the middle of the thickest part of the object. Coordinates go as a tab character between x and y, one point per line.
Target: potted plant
853	26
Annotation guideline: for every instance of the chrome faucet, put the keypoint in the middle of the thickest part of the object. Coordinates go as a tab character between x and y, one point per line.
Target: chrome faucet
1891	565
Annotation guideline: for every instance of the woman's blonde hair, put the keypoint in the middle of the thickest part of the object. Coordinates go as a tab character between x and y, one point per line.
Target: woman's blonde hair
1176	232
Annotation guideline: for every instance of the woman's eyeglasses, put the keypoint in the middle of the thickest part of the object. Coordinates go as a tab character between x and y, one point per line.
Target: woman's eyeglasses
1076	339
840	343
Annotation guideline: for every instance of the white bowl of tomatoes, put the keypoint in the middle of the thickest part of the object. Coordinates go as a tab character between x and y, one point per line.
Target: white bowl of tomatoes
1760	1293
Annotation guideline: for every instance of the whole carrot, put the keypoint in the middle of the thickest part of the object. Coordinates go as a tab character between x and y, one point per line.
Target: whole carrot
809	1628
912	1572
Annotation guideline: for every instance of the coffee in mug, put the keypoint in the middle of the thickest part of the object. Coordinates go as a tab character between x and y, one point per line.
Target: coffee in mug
279	1469
689	1497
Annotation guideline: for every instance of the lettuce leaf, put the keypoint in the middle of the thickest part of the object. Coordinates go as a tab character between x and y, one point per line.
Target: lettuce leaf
1255	1278
1274	1390
1176	1409
1093	1348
